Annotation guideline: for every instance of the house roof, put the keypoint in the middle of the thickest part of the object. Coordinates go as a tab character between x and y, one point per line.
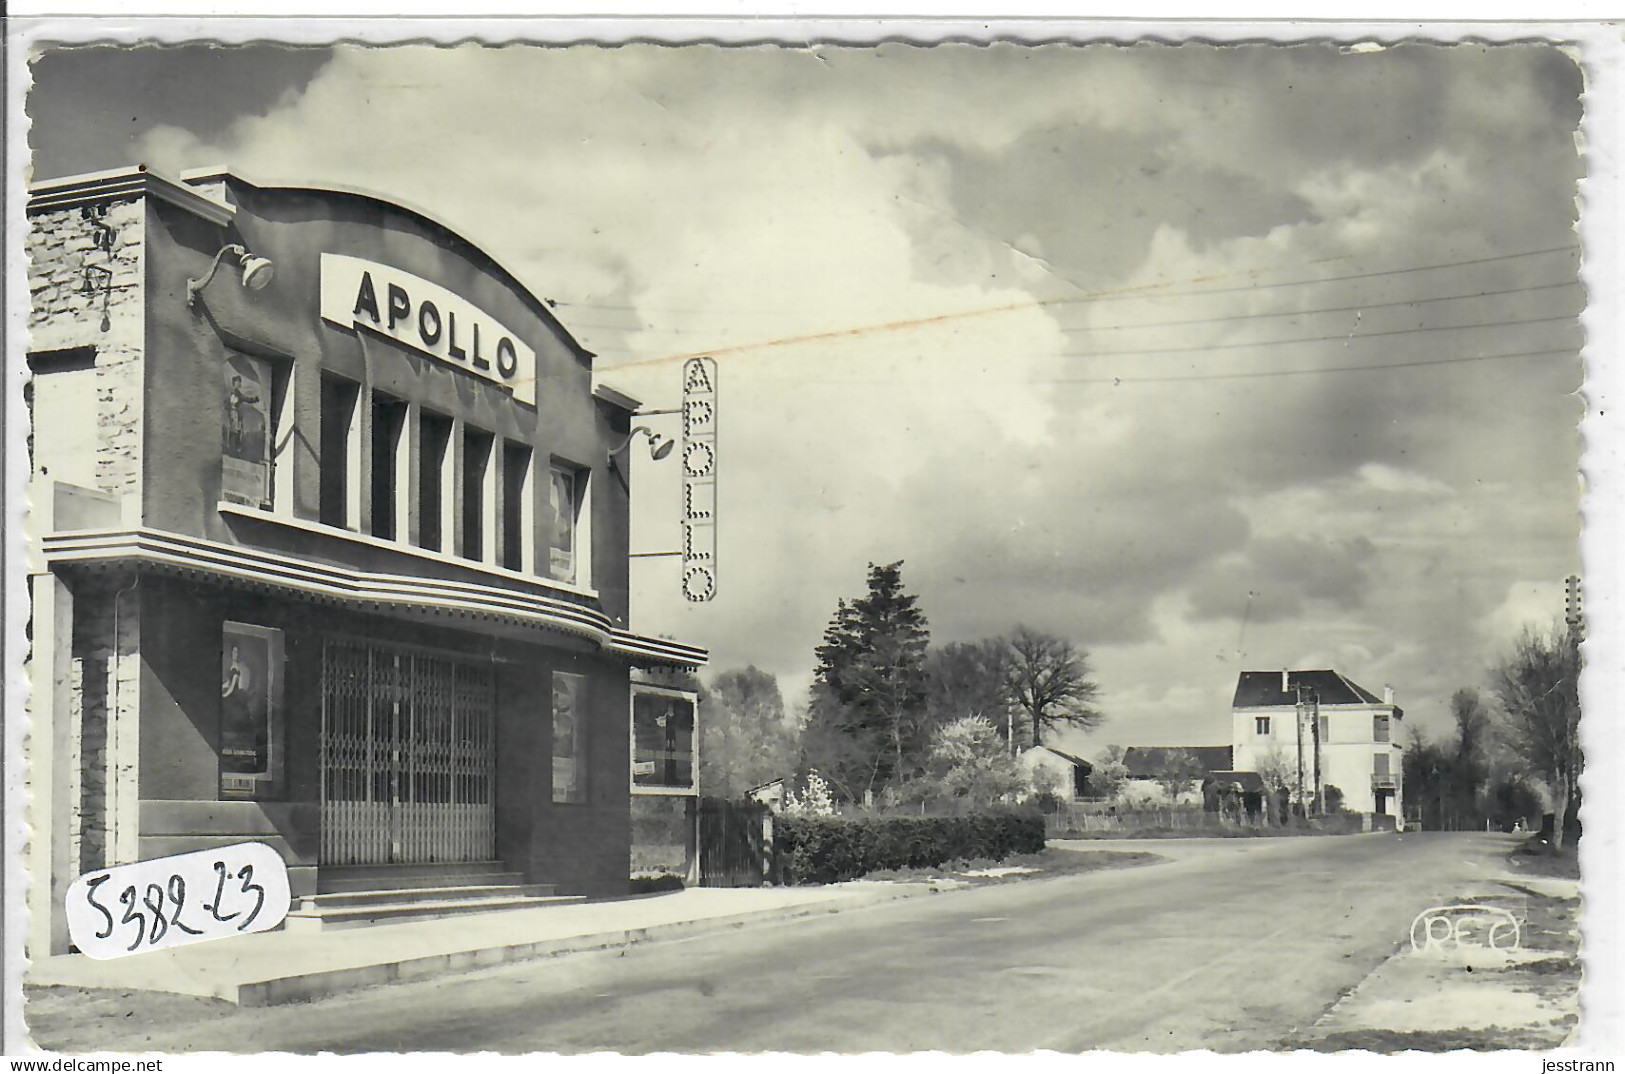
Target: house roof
1251	782
1262	689
1144	762
1063	755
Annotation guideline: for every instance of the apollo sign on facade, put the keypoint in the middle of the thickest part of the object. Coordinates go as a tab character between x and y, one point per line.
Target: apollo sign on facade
426	317
700	479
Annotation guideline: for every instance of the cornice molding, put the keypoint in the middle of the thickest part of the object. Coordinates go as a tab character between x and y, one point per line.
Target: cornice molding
124	183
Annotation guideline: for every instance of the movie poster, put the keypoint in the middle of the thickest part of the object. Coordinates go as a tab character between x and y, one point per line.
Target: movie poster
250	705
568	691
245	433
662	741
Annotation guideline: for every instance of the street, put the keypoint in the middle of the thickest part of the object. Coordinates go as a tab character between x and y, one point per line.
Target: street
1231	946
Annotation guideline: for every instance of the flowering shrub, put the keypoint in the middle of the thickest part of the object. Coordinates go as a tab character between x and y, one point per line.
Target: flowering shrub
815	801
824	849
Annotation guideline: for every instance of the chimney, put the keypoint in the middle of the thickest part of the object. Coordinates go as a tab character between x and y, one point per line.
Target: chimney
1387	695
1286	686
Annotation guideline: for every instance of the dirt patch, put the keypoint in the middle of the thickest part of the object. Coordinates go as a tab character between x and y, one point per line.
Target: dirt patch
1537	858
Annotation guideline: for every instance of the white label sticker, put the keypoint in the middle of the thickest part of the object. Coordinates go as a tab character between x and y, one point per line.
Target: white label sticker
187	898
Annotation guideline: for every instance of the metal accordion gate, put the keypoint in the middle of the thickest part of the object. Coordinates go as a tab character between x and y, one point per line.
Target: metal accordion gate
408	756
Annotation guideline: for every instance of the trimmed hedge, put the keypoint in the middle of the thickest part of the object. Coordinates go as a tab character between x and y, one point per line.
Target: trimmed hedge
822	850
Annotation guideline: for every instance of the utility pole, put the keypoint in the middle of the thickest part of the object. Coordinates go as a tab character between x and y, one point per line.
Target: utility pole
1299	736
1314	716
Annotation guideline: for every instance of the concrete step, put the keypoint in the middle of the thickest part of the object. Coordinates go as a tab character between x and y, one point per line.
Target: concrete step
332	879
340	917
405	896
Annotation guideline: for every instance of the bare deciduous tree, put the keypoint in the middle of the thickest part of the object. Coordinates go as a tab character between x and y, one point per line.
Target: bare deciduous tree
1049	679
1538	686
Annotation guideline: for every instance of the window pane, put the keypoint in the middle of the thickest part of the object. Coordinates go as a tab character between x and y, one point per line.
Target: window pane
562	497
338	413
663	741
434	438
476	459
245	475
515	483
569	731
388	423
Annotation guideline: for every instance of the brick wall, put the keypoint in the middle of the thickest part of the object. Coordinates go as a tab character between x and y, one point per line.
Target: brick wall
62	245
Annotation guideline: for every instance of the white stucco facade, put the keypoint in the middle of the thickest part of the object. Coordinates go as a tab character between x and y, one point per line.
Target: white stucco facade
1359	744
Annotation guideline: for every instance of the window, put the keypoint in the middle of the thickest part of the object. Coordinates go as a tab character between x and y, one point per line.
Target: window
339	446
248	429
566	492
569	737
1323	727
1261	725
1379	729
388	427
518	516
1379	767
662	740
477	496
434	443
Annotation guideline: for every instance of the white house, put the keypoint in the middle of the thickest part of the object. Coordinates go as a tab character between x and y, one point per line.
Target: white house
1068	773
1357	741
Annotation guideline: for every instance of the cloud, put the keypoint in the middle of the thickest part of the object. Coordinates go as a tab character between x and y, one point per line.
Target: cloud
968	304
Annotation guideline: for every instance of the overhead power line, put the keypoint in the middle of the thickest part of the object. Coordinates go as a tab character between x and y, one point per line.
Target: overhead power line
905	323
1354	308
1142	290
1350	337
1260	374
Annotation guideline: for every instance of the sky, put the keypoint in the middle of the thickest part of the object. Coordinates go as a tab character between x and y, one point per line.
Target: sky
1206	359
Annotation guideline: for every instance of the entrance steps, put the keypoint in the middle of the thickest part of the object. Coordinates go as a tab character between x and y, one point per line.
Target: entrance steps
354	896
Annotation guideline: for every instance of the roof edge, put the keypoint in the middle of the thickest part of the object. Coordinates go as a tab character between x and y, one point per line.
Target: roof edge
221	173
140	180
616	397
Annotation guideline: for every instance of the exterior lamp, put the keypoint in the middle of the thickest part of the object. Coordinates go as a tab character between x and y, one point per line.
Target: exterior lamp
256	271
659	446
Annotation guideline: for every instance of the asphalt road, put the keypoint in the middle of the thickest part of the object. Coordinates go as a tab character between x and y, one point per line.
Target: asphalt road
1232	947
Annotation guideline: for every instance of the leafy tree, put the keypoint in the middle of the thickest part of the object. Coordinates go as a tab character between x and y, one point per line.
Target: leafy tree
865	724
969	763
1110	774
1425	777
744	739
1049	680
1334	798
1466	772
1175	772
970	679
1538	686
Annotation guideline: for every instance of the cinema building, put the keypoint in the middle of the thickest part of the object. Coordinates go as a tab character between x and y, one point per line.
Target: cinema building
328	544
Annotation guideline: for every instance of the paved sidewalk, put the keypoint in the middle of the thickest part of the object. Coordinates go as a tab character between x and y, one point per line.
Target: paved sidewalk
288	966
1470	997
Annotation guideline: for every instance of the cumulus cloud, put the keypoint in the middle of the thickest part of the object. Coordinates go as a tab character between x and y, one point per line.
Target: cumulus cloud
1016	316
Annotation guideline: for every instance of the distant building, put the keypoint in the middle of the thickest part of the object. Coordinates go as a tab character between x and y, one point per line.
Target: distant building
1069	773
770	794
1358	734
1146	765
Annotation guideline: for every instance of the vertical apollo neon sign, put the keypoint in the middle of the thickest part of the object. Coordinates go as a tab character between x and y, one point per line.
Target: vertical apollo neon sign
700	479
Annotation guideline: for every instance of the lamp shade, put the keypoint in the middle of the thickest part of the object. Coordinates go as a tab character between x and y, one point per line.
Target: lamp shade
256	272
